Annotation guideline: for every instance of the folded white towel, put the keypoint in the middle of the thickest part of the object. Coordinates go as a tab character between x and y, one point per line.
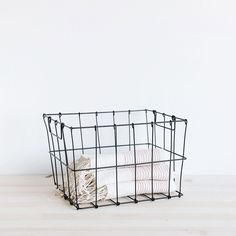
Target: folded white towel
106	178
143	186
143	172
124	158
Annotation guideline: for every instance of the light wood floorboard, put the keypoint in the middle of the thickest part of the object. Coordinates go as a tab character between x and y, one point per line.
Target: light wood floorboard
29	206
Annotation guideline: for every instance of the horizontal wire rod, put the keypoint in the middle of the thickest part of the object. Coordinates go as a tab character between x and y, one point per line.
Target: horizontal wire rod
94	112
108	146
110	202
109	112
118	125
114	166
119	145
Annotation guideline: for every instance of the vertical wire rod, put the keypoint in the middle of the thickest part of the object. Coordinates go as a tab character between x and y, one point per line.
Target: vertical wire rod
129	130
55	160
73	153
96	170
115	137
152	165
170	159
174	122
62	173
114	120
182	163
96	117
81	134
164	131
135	167
66	157
146	117
155	120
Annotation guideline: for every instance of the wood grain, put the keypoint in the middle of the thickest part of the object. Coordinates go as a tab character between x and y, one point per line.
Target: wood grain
29	206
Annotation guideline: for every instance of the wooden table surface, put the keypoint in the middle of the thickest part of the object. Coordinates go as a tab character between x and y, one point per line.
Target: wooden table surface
29	206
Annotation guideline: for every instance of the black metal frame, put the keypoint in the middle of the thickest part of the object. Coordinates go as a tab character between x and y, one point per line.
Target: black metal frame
59	148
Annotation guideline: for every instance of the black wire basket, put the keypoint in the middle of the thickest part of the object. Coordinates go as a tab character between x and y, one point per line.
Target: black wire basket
142	135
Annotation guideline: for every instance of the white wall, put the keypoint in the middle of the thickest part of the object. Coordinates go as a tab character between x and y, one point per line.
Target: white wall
175	56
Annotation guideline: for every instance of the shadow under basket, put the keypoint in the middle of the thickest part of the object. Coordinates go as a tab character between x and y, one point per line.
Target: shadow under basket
91	154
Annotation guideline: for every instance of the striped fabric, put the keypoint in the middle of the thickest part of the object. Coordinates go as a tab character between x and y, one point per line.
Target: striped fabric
107	180
128	157
143	172
144	186
143	155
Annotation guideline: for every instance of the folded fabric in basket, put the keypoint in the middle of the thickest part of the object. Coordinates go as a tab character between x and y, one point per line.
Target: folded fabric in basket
142	186
84	182
125	158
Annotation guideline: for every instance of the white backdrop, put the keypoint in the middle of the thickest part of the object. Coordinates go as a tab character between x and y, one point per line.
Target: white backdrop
177	57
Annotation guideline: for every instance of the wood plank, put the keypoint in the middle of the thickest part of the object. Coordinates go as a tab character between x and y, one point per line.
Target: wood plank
29	205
